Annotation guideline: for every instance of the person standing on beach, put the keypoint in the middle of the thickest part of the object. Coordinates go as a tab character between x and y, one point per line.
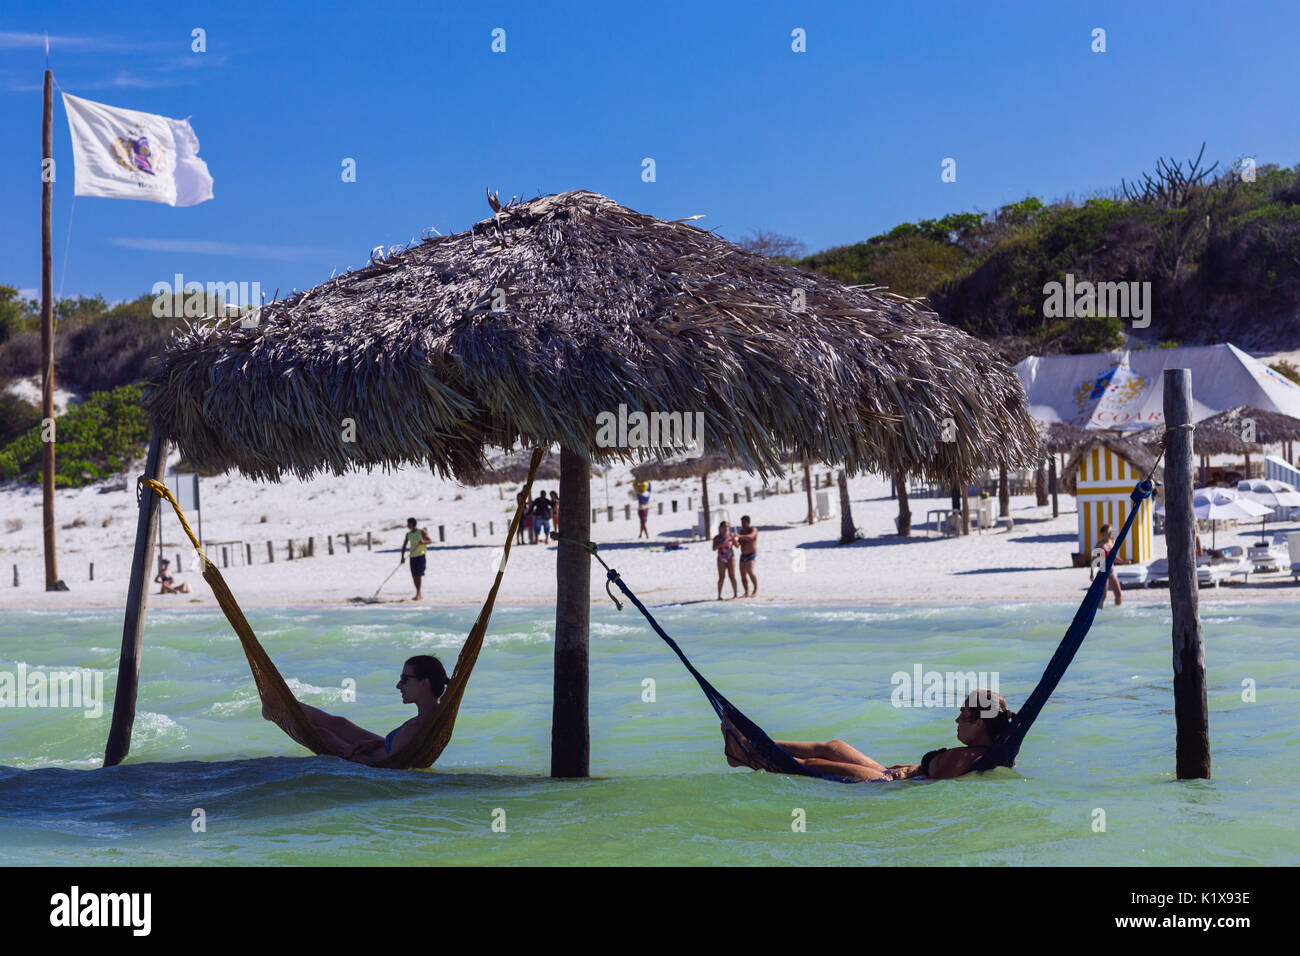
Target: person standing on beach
724	542
747	537
419	540
542	517
1105	542
643	507
555	512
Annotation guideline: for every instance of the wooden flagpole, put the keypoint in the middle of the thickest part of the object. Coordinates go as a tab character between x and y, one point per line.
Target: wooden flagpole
52	582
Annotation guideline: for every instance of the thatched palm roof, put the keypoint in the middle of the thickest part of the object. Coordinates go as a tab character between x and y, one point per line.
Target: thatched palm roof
1059	437
680	466
512	468
1270	427
1213	436
1143	457
603	307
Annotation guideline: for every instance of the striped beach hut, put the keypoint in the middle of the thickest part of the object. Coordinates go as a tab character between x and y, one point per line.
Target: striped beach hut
1280	470
1101	475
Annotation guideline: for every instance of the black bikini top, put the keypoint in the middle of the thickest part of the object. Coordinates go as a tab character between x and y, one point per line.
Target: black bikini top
925	761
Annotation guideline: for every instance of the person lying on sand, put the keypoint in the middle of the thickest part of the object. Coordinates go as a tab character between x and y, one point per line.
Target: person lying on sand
422	683
167	581
835	758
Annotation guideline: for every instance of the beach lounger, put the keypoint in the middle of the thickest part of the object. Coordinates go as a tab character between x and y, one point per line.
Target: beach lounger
1142	575
1215	572
1268	557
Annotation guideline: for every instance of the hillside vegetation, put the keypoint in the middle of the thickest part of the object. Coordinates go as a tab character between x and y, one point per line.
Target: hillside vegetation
1222	255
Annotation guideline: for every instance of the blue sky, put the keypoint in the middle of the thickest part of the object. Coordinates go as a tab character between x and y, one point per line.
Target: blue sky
830	146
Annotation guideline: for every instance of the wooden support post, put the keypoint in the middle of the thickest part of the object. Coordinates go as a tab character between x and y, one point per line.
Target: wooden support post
347	540
807	484
270	553
367	540
570	732
847	531
661	507
708	523
965	508
1051	481
609	513
1191	713
473	529
225	557
627	512
904	509
15	575
329	544
290	549
311	547
248	553
674	506
749	494
1004	491
492	529
442	533
92	570
735	497
137	597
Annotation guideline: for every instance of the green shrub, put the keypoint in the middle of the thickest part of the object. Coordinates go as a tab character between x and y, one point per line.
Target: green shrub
99	438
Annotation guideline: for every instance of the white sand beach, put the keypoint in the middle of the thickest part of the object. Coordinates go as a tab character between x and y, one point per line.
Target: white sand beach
797	562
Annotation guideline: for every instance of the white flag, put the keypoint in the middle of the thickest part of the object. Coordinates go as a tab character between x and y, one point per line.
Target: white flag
126	154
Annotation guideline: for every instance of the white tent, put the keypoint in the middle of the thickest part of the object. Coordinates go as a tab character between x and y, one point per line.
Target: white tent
1125	390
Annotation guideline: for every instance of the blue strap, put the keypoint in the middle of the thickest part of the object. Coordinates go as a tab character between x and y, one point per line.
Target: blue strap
762	751
765	754
1004	750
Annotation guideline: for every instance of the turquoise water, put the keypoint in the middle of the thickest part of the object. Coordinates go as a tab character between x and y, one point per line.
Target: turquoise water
661	792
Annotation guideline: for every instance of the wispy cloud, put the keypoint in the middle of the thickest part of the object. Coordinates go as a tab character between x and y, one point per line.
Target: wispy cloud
10	40
206	247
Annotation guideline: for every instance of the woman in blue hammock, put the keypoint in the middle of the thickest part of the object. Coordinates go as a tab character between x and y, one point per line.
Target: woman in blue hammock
422	683
835	758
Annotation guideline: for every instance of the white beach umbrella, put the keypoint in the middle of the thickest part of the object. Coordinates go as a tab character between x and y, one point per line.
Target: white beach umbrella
1221	504
1270	492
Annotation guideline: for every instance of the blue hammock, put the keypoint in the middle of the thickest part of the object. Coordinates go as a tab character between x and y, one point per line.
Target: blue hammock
763	752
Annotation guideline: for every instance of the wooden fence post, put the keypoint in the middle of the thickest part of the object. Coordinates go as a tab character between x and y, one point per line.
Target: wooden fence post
270	553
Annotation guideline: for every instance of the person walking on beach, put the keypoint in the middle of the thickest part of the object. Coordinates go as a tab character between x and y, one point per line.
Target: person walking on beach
542	517
167	581
555	512
747	537
418	540
724	542
643	507
1105	542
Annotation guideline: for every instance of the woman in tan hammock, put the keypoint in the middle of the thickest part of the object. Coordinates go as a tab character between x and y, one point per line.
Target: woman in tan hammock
422	683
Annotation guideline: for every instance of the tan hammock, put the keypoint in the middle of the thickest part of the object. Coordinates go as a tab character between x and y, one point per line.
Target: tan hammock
285	710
